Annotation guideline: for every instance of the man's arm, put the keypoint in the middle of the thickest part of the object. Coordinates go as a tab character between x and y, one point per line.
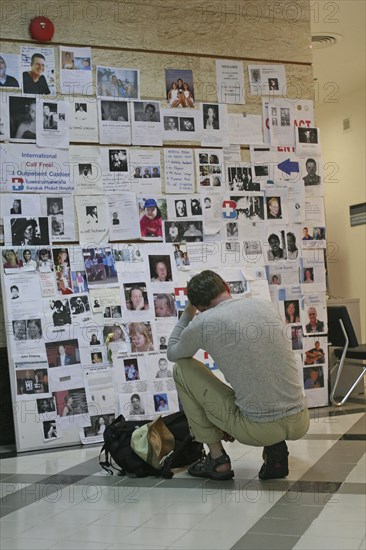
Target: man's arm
185	340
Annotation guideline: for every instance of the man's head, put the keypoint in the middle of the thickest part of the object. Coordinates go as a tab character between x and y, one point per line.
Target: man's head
150	110
312	314
310	167
274	242
135	400
2	67
291	241
38	63
14	291
204	288
180	208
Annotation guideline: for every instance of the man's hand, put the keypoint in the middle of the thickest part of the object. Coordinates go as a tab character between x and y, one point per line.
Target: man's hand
190	310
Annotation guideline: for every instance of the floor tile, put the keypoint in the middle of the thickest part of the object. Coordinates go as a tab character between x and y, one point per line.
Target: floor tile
307	542
24	544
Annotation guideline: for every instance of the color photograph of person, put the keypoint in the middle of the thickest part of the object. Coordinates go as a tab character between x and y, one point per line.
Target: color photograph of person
160	269
118	82
164	305
179	88
136	296
140	337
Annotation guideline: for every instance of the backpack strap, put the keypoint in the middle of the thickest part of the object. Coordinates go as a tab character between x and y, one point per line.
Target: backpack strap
105	465
167	461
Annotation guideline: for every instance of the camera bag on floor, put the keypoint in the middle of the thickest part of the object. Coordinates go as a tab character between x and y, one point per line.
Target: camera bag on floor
117	448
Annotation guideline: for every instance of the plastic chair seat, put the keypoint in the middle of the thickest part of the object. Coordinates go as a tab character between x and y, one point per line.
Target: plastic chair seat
358	353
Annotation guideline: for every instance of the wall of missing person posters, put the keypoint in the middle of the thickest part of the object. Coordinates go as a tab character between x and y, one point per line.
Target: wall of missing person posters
111	201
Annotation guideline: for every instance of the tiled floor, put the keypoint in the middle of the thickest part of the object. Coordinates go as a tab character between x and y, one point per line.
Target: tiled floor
62	500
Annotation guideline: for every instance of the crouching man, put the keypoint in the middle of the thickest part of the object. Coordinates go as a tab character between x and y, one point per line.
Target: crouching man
264	405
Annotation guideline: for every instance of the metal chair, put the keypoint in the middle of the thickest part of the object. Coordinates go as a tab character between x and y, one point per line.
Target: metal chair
341	333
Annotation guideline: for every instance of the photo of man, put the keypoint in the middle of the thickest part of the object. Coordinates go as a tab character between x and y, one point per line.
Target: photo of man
311	177
6	80
34	81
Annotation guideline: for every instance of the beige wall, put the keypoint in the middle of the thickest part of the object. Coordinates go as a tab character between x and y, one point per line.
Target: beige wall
346	151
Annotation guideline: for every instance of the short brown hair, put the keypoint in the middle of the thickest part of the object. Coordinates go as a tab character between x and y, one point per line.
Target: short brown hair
204	287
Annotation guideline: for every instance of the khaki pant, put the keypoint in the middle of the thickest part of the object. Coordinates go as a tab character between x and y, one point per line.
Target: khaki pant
210	407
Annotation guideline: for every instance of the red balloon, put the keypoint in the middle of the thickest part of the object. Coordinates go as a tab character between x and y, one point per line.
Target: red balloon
41	29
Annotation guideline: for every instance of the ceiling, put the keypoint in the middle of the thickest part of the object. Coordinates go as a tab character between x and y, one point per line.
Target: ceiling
343	63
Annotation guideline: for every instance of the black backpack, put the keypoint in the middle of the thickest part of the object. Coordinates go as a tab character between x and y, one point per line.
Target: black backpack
117	448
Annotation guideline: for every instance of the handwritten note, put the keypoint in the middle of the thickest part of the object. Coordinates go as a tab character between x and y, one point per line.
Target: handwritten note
179	171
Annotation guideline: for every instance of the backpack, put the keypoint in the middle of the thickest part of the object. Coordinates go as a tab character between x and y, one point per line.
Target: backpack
117	447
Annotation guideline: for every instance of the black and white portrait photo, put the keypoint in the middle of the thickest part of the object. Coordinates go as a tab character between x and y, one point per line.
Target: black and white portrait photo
211	119
85	170
22	117
307	135
29	231
50	116
186	124
180	208
115	111
117	160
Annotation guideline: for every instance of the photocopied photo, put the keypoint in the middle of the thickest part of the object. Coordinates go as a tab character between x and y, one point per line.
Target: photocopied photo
38	70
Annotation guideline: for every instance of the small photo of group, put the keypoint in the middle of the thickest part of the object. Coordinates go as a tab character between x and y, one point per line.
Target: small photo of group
32	381
179	88
30	329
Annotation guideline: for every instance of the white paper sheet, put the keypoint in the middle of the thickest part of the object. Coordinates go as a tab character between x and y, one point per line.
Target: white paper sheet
115	169
76	71
123	217
179	171
86	166
308	141
267	79
281	126
181	125
230	81
93	219
214	125
145	171
60	209
114	121
245	129
53	124
210	171
83	119
146	123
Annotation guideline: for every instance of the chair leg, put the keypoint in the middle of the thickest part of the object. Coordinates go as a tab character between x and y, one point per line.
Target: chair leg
349	391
